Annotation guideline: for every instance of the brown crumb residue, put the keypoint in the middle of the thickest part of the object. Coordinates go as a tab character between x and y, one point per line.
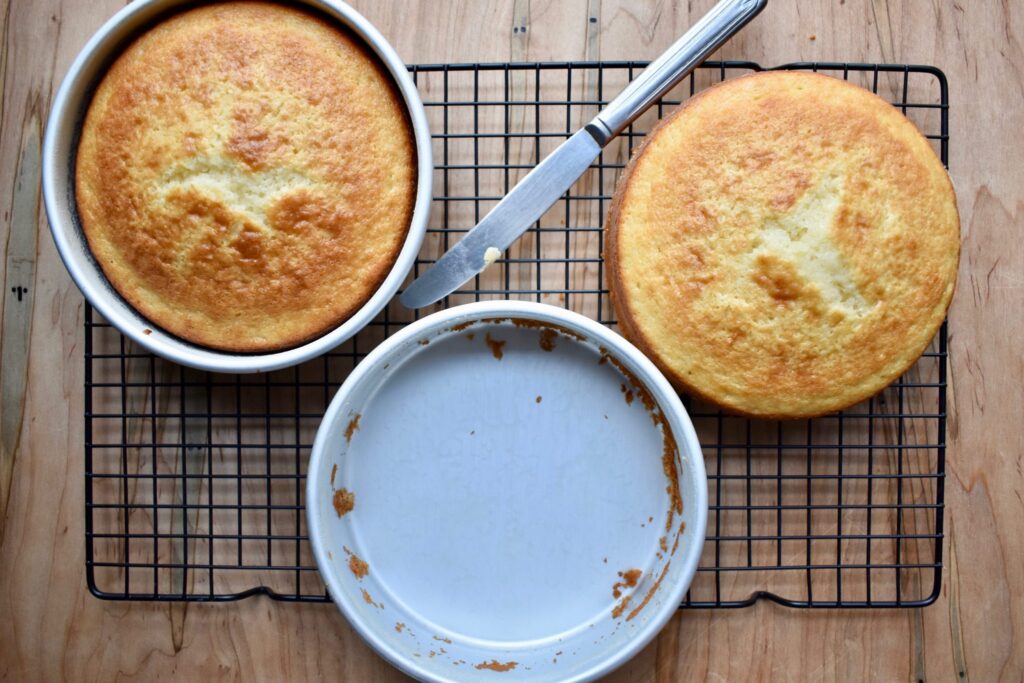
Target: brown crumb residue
344	502
669	451
495	665
682	528
369	600
628	394
547	339
668	465
621	607
812	37
147	332
545	326
470	336
353	425
539	399
399	626
334	472
629	580
641	391
443	640
356	565
496	346
423	342
650	593
549	332
670	456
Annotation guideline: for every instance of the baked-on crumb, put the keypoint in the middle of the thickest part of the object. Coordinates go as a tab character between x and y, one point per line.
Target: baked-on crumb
496	346
344	501
353	425
541	325
621	607
669	448
629	580
357	566
650	593
369	600
495	665
547	339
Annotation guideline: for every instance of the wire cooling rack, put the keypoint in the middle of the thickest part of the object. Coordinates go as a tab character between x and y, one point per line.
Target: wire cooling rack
194	481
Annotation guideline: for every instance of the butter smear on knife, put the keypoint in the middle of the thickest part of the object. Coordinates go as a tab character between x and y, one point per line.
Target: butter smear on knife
491	255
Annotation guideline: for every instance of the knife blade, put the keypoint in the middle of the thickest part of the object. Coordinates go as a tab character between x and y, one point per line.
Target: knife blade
519	209
542	187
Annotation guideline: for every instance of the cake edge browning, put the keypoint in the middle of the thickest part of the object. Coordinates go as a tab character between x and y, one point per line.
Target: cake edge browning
616	289
633	332
190	329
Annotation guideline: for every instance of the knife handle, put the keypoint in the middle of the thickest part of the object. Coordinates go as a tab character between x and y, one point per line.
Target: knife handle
717	26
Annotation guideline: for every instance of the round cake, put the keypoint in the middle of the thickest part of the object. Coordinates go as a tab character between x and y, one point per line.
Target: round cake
785	245
246	175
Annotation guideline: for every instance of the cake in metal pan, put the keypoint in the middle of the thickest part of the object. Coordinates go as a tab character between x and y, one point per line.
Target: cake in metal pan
246	175
784	245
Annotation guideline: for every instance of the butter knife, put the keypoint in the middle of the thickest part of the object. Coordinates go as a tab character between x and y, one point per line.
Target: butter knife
553	176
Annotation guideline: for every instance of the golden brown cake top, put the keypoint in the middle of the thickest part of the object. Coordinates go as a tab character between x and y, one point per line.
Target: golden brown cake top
785	245
246	175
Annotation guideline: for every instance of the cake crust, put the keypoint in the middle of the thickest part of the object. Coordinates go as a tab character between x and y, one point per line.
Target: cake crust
784	245
246	175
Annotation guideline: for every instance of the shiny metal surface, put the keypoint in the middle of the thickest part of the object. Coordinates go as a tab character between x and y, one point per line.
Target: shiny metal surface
493	534
525	204
706	36
528	200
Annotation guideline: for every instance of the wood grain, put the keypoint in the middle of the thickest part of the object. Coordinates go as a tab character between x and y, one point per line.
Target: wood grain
54	630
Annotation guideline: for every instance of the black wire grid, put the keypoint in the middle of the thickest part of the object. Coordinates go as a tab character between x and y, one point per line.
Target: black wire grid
195	481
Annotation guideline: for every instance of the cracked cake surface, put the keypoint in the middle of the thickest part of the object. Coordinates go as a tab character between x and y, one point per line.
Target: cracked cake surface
784	245
246	175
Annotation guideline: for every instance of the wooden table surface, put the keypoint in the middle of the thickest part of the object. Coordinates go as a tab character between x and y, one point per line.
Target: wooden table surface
52	629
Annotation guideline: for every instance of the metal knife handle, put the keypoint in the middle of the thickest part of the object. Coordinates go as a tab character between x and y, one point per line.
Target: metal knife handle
717	26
